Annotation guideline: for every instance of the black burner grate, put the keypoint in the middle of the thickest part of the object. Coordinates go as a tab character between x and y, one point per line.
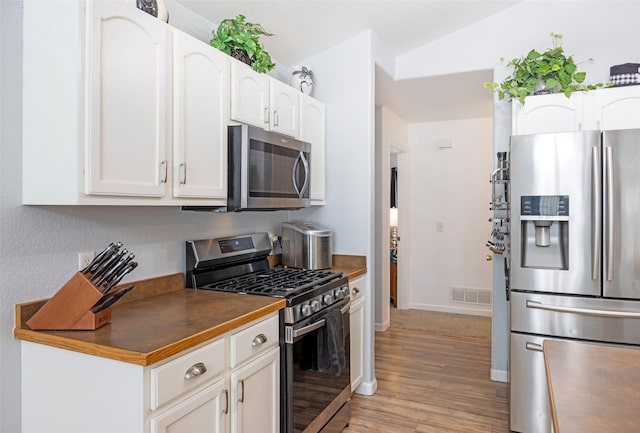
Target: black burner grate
280	282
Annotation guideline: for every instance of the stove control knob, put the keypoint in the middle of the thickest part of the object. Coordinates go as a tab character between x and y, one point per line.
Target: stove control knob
315	305
305	310
328	299
338	294
345	291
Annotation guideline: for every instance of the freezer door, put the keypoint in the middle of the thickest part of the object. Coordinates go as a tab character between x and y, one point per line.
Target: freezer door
621	198
529	397
555	180
585	318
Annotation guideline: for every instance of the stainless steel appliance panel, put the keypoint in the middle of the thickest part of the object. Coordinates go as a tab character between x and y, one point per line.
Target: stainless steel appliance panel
621	155
593	319
529	397
557	165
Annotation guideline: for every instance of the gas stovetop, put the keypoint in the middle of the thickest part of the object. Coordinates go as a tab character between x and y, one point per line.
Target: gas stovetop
278	282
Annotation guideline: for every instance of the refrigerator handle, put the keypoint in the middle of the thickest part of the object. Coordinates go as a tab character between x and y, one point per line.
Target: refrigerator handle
608	158
535	305
596	228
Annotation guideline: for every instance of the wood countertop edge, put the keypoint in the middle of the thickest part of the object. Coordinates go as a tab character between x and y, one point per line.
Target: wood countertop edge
145	359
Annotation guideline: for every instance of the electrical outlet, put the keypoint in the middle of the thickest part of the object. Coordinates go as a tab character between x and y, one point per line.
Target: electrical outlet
85	258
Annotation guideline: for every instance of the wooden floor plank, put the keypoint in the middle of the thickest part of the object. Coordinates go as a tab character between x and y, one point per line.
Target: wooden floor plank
431	384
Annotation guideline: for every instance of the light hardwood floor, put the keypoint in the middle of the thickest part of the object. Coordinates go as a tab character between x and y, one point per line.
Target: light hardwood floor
431	384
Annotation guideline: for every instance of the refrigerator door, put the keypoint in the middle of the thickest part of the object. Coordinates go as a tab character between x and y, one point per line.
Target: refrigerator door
555	213
621	200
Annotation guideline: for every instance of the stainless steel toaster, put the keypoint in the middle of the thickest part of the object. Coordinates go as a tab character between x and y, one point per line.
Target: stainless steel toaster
306	246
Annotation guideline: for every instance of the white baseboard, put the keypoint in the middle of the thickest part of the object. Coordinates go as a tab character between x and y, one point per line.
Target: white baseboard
499	375
381	327
367	388
452	309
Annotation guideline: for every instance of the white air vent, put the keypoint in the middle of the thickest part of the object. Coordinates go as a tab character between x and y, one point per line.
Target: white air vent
471	296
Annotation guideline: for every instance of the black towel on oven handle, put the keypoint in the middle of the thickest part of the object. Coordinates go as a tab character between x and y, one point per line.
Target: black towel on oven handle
331	356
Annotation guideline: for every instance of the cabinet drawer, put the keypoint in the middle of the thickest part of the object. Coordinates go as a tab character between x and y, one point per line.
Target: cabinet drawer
183	374
253	340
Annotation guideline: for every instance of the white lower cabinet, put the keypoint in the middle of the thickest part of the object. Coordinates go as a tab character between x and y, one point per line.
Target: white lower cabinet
255	401
205	412
356	317
195	391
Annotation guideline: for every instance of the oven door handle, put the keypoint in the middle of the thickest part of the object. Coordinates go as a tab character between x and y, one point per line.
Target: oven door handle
309	328
295	333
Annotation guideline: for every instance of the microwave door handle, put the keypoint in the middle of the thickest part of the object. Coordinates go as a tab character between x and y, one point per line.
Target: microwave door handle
293	174
305	164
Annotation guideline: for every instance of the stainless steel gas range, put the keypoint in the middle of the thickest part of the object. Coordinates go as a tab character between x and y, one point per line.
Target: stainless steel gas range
314	325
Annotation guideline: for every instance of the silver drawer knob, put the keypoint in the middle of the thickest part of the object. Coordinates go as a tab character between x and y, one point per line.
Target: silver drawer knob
259	340
195	371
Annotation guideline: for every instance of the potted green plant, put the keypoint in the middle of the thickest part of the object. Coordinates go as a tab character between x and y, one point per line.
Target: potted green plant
537	73
240	39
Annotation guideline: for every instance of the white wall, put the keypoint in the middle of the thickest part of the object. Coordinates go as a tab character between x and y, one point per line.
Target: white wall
391	135
449	186
348	91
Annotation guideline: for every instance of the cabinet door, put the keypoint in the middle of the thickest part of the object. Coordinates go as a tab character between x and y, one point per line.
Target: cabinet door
255	395
249	96
200	113
204	412
127	94
356	316
284	103
312	130
549	113
617	108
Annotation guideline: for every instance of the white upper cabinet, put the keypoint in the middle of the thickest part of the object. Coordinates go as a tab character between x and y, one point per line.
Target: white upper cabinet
200	113
284	105
610	108
617	108
261	101
312	130
548	113
127	102
249	96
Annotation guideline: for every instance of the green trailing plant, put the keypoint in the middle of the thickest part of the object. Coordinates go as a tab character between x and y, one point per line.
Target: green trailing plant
241	39
548	72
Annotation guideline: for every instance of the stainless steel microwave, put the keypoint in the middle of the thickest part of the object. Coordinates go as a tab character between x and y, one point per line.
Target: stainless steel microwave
266	171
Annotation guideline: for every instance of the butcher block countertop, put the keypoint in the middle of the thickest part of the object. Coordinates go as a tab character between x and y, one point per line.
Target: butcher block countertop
593	388
158	319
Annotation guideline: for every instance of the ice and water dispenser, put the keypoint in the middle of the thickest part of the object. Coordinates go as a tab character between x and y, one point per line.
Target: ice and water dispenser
545	231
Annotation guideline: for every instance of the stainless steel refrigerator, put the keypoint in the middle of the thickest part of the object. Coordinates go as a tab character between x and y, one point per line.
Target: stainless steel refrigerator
575	253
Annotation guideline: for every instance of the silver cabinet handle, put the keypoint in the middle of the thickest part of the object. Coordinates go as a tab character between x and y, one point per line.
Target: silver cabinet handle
183	173
266	115
259	340
584	311
226	401
356	290
533	346
163	171
241	399
276	119
195	370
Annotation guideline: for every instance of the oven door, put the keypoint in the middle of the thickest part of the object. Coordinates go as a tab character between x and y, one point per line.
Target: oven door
313	397
267	170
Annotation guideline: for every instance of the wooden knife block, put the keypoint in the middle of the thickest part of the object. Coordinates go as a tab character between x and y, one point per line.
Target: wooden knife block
70	308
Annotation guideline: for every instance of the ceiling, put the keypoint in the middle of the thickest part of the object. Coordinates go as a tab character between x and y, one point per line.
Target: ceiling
303	28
